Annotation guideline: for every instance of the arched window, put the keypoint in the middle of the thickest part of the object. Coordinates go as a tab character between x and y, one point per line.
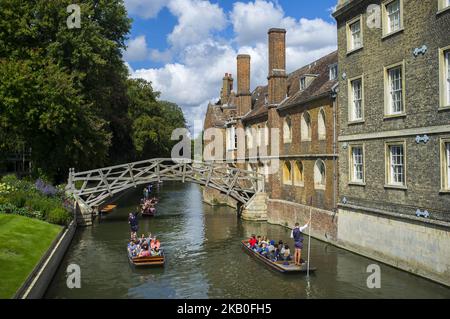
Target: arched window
287	173
298	174
319	175
287	130
321	127
306	127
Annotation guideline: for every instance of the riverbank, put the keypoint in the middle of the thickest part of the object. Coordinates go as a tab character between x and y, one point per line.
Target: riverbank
23	242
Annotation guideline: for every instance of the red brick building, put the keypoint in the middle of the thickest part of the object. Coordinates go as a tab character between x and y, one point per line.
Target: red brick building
301	109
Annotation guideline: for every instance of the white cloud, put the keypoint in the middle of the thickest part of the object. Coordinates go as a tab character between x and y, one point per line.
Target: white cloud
137	49
252	20
145	8
202	57
196	20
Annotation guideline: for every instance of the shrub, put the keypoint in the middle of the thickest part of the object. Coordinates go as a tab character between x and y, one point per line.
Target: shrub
42	204
18	198
10	179
59	216
9	208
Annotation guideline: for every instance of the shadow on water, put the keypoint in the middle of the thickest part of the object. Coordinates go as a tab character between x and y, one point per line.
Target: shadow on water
205	259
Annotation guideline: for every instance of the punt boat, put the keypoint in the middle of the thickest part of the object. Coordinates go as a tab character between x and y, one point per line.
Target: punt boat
153	261
280	266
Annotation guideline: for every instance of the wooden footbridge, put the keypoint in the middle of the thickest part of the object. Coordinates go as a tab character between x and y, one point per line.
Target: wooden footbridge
92	189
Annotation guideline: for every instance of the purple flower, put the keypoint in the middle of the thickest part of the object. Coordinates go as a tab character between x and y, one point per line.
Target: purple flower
45	189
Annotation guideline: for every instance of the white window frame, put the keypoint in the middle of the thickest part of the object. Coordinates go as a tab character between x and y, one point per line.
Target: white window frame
353	178
334	71
443	5
351	46
352	118
390	165
444	78
303	84
389	90
445	164
387	29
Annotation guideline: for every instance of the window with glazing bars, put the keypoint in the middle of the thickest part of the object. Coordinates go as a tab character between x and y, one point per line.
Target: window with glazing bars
393	13
355	30
397	165
357	99
396	90
358	164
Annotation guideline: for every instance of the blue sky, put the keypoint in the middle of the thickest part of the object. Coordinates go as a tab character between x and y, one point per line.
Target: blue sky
185	46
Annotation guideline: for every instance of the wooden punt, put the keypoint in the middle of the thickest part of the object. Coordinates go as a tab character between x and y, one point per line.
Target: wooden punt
151	212
278	265
155	261
108	209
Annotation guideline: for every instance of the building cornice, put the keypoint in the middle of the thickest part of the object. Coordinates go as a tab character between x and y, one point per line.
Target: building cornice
343	8
397	133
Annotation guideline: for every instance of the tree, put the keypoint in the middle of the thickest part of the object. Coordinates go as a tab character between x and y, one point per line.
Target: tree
63	91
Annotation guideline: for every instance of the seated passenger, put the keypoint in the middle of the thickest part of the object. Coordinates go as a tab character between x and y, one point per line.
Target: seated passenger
264	250
252	241
286	253
271	250
259	240
157	243
155	252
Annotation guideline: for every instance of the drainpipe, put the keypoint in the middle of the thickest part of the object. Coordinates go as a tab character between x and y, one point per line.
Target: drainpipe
334	94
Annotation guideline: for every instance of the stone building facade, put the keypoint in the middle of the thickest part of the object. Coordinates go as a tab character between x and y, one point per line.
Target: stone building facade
394	130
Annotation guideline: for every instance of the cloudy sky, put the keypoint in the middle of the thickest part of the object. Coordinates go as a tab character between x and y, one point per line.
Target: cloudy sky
184	47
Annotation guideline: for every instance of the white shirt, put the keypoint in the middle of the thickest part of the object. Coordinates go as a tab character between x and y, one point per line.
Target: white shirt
301	229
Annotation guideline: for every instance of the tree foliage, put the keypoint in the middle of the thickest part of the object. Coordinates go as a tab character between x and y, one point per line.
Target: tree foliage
65	93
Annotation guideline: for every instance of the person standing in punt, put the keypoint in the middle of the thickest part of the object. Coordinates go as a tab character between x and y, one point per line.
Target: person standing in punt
297	234
134	223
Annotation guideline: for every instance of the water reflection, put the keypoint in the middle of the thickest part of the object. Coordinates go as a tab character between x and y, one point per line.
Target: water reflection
205	260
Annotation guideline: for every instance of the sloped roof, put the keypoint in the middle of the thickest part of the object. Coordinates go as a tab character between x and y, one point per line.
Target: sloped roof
319	86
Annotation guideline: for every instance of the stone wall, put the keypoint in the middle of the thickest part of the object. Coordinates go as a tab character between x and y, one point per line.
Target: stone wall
284	213
412	246
215	198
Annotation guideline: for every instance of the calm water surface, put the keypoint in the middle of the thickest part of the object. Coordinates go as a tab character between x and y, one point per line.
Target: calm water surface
205	260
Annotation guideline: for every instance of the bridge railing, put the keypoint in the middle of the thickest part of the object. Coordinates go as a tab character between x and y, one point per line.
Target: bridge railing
94	187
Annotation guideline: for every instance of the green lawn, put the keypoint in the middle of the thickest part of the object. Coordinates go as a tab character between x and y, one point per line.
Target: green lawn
23	241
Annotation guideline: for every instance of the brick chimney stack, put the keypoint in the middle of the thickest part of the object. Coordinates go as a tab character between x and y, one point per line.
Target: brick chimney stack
277	66
226	88
243	89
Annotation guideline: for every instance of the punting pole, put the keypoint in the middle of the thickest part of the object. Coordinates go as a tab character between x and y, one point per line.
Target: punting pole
309	239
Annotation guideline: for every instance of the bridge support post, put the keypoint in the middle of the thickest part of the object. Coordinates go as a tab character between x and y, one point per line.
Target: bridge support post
83	215
256	209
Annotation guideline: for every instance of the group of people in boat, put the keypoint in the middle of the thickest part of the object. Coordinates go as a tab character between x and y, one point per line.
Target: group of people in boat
144	247
148	205
280	251
269	248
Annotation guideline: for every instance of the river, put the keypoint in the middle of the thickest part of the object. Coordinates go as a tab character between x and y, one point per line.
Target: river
205	260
